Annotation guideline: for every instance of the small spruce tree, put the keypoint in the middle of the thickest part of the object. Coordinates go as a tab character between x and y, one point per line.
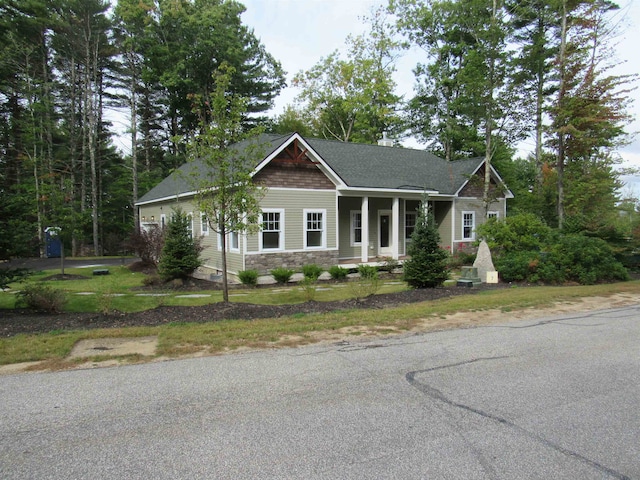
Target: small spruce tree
427	267
180	254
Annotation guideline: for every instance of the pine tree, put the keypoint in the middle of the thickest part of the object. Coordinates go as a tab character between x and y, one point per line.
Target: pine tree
180	254
427	267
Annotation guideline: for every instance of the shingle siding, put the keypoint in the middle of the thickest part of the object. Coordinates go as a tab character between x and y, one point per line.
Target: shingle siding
293	175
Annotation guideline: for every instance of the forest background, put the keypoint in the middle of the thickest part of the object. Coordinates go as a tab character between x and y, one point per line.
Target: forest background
97	100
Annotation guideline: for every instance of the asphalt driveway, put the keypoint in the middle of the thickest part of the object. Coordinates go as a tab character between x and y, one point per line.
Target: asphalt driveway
54	263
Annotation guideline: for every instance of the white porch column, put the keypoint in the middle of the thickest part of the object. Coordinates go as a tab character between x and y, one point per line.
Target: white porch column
395	228
364	224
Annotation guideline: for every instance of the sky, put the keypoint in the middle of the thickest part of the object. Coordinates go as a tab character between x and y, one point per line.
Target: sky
298	33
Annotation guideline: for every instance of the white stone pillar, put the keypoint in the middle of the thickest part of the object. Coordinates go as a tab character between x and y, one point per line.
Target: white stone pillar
395	228
364	216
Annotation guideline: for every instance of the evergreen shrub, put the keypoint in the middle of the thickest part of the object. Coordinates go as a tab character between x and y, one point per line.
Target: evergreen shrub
248	277
517	233
181	252
338	273
582	259
517	266
368	271
281	275
427	265
312	271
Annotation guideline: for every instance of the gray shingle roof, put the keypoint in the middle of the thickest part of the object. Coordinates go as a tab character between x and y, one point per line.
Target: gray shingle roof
178	182
358	165
373	166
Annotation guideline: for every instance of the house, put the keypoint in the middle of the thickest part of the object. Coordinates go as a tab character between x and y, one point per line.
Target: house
330	203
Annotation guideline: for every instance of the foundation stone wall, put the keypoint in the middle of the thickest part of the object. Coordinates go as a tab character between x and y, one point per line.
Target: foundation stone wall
265	262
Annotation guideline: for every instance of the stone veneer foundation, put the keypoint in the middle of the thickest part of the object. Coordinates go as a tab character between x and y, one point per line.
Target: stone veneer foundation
265	262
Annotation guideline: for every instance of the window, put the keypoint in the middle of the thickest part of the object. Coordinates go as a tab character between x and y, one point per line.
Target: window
272	224
234	241
409	224
204	224
356	228
190	224
468	225
163	221
495	215
314	232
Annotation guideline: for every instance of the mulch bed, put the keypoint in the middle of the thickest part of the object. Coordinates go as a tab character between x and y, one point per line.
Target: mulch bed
13	322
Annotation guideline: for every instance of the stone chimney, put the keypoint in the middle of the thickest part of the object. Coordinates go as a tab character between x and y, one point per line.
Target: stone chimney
384	141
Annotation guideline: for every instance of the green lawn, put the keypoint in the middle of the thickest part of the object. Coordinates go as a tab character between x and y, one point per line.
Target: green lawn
217	337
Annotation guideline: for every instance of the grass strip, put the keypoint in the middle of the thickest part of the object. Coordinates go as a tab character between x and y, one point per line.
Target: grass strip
177	339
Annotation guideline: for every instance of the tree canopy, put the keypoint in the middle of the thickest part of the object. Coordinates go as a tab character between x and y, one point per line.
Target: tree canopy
67	64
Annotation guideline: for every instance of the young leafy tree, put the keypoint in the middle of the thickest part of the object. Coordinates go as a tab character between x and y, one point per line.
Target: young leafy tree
291	120
180	253
352	99
427	267
221	167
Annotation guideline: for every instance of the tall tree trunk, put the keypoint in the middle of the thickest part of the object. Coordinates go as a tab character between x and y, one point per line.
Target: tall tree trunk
491	85
561	94
73	148
91	86
540	80
133	103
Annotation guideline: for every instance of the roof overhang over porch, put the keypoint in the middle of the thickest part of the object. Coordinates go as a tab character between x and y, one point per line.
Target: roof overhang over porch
392	193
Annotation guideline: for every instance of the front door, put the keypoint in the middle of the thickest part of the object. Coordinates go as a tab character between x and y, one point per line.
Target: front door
384	232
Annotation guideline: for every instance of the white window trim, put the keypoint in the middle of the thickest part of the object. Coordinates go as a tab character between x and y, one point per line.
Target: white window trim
352	229
163	221
473	225
204	225
415	221
323	232
493	213
190	218
231	248
281	243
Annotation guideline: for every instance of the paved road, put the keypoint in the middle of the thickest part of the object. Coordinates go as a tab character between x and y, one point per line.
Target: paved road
548	399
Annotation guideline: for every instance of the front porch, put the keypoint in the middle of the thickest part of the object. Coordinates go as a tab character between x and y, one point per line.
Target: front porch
372	230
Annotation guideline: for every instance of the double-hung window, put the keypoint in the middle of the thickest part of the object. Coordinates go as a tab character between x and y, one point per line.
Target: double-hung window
409	224
468	225
204	224
234	241
356	227
271	237
314	228
190	224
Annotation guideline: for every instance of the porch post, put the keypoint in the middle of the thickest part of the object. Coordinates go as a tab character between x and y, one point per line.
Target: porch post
395	228
364	216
